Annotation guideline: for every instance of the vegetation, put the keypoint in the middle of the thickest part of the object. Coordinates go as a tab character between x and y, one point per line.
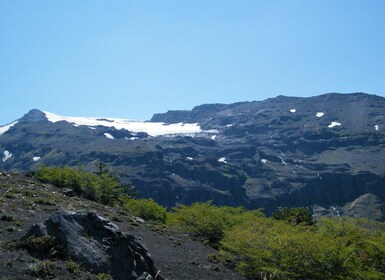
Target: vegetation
207	221
289	245
101	186
146	209
41	246
332	249
294	216
42	269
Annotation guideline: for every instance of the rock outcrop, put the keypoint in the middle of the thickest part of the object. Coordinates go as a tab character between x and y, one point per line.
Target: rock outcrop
97	244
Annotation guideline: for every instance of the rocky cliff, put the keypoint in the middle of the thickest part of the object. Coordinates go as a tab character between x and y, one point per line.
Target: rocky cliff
325	152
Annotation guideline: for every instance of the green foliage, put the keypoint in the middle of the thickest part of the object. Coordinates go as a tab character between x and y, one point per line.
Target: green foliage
38	245
73	267
102	187
207	221
295	216
147	209
331	250
103	276
42	269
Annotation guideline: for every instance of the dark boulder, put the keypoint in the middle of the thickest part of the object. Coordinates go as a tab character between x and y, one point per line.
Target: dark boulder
97	244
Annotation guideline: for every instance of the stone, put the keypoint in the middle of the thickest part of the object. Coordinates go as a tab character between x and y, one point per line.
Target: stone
98	244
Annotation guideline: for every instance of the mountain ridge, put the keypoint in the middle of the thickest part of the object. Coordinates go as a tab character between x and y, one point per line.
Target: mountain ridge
323	152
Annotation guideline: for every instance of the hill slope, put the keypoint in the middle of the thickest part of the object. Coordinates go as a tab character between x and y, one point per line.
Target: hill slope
25	202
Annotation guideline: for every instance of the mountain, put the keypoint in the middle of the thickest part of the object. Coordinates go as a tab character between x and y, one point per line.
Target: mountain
326	152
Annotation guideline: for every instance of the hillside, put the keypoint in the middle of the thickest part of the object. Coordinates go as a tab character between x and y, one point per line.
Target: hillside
25	202
326	152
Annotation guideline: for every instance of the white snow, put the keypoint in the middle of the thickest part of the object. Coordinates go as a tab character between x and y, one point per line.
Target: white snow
293	110
376	127
151	128
7	155
319	114
222	159
213	137
283	162
263	160
36	158
6	127
333	124
189	158
132	138
109	136
229	125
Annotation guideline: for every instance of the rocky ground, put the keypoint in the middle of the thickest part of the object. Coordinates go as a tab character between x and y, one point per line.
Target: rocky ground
25	202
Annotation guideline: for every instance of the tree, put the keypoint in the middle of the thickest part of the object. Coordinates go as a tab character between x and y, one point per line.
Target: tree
295	216
102	168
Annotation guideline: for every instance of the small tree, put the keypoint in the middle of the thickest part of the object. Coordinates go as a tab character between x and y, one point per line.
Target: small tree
295	216
101	168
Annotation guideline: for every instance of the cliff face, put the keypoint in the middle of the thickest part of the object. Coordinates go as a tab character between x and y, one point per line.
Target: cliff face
327	152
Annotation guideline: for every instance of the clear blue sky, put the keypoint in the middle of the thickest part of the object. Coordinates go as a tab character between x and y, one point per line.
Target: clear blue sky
131	59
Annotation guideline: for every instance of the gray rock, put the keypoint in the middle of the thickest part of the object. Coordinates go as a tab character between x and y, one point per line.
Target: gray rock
99	245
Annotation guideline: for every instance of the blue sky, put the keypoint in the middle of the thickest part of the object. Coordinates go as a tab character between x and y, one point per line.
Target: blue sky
132	59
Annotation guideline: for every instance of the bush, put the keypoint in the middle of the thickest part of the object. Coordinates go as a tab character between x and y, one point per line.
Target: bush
104	188
295	216
41	246
330	250
147	209
207	221
42	269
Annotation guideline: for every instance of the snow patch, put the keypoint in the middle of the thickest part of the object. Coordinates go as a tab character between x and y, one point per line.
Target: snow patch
131	138
229	125
36	158
376	127
7	155
293	110
6	127
333	124
263	160
151	128
319	114
189	158
213	137
222	159
283	162
109	136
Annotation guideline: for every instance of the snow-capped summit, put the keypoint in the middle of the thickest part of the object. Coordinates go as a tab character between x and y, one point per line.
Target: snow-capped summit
151	128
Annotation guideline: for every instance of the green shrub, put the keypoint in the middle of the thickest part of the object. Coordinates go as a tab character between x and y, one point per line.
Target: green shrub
146	209
73	267
103	276
330	250
104	188
207	221
42	269
295	216
38	245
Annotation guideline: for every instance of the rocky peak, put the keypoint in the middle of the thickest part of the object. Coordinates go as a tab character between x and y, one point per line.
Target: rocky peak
33	115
